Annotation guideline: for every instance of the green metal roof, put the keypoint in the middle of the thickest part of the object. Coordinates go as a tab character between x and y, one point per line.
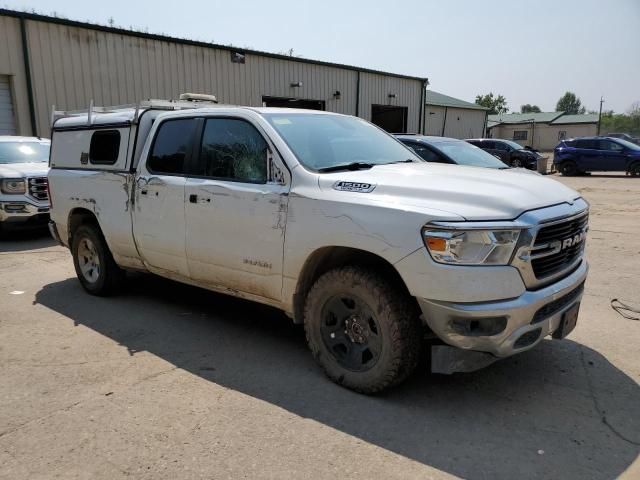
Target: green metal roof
441	100
543	117
584	118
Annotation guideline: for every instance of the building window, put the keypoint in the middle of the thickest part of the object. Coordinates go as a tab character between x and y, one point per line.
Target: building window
520	134
562	134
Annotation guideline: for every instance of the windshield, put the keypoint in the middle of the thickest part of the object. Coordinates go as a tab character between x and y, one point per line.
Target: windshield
324	141
464	153
627	144
24	152
515	145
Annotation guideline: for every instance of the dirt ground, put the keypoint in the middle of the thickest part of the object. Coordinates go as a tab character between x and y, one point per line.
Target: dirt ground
167	381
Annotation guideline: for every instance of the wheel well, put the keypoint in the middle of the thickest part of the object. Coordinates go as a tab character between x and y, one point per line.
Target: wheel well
77	217
329	258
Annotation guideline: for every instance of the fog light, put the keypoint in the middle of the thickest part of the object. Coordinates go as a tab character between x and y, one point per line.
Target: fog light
16	208
478	327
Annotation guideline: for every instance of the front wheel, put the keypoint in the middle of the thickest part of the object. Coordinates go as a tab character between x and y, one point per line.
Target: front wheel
361	330
94	264
635	170
517	163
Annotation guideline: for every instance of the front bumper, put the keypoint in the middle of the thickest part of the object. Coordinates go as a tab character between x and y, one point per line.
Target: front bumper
518	324
20	213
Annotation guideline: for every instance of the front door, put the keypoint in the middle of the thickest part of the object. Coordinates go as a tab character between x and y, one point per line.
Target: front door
612	156
158	211
235	211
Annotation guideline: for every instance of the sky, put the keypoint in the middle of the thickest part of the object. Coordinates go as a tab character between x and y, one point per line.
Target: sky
529	51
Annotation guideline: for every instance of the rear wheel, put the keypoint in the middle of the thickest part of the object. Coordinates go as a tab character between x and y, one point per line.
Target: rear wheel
94	264
568	168
364	333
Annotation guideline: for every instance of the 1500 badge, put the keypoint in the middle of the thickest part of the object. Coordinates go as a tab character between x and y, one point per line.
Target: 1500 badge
353	187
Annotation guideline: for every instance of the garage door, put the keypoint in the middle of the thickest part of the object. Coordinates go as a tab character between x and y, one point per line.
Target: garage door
7	119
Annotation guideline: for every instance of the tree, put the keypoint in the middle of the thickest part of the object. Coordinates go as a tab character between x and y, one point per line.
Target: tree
570	104
495	105
529	108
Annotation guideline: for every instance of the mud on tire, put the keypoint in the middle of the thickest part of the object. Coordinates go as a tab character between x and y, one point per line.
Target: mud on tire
364	332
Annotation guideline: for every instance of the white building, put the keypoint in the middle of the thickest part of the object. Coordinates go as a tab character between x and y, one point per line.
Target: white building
447	116
541	131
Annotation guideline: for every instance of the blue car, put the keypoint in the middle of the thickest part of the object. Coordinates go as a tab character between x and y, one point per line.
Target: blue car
596	154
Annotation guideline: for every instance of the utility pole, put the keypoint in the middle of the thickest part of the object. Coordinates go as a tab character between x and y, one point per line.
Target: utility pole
600	114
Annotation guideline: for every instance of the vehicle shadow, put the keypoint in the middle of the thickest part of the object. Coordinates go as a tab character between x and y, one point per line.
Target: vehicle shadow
559	411
21	240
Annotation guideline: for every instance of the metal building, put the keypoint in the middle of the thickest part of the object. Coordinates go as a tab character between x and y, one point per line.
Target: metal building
447	116
46	61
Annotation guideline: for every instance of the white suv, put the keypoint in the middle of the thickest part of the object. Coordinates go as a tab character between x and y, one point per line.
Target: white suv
24	199
330	219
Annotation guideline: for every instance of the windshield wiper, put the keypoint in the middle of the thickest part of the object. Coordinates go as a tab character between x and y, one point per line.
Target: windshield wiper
347	166
408	160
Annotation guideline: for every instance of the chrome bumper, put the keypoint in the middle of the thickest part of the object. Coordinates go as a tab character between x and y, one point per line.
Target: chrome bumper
17	212
534	311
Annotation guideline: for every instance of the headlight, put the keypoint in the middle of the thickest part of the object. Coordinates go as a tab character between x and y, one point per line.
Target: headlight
13	185
470	247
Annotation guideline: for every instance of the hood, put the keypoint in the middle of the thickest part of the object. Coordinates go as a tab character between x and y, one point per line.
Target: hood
17	170
474	193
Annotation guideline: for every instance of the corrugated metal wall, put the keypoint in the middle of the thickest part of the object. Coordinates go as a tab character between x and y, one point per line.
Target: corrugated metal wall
464	123
433	120
12	65
375	90
70	65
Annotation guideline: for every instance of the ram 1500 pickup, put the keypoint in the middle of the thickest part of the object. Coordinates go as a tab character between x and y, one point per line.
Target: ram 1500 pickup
328	218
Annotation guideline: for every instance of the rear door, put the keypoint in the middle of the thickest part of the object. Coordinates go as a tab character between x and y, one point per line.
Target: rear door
612	156
236	207
159	216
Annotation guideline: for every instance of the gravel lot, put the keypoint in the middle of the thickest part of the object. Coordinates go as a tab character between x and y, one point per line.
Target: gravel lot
169	381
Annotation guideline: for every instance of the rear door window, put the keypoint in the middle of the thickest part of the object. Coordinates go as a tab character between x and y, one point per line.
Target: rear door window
172	147
587	144
488	145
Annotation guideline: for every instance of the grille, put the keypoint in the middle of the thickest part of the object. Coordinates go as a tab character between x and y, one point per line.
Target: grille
556	262
554	307
38	188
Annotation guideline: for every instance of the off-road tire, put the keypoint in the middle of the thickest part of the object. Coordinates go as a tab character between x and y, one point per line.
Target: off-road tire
395	313
110	276
568	168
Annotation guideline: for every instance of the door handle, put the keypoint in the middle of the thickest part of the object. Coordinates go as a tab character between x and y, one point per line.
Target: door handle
193	198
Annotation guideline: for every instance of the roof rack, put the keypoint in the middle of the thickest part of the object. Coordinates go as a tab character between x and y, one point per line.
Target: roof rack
187	101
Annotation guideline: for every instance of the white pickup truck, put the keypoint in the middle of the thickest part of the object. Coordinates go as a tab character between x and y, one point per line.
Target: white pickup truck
24	200
328	218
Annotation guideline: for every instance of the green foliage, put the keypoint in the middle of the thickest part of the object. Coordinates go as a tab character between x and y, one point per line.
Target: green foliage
495	105
570	104
528	108
621	123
